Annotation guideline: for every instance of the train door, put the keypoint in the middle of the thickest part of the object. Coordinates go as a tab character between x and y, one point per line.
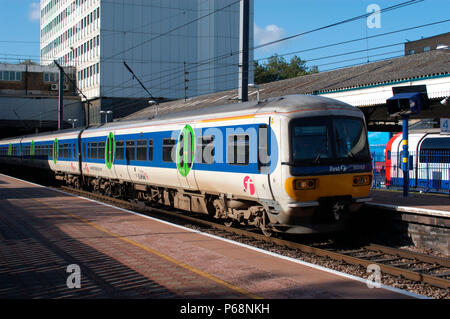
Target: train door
130	157
265	154
110	146
185	152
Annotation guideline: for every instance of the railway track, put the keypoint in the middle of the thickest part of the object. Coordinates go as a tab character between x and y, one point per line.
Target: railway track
431	270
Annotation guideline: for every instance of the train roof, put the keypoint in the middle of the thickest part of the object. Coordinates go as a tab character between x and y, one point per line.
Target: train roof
283	104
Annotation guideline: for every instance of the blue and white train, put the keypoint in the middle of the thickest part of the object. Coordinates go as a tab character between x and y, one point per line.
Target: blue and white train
297	164
429	160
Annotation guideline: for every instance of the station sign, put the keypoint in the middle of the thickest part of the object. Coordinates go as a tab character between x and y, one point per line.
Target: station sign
445	126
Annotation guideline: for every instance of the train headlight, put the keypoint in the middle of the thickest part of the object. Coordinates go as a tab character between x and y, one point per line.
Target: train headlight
304	184
362	180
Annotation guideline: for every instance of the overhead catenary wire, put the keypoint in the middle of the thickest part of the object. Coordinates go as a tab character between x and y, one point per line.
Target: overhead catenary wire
215	59
120	106
212	60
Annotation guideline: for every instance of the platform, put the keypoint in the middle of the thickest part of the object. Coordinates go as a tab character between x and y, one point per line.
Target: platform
426	204
122	254
422	218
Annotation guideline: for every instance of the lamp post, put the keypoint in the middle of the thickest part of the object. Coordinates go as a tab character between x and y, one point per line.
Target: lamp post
73	122
153	102
109	112
253	85
106	115
101	113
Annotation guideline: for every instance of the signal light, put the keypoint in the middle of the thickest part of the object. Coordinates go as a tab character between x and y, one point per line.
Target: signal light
363	180
304	184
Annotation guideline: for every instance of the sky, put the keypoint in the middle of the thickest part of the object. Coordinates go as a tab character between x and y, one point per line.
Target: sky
275	19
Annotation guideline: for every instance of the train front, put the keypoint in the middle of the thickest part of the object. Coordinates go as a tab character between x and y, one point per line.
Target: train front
327	174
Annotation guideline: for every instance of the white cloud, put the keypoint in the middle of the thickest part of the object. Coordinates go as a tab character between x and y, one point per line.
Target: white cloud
34	11
270	33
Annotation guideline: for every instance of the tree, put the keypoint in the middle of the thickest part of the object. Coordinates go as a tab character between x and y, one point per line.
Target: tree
277	69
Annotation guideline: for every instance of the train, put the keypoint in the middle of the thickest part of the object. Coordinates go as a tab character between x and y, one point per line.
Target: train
429	160
293	164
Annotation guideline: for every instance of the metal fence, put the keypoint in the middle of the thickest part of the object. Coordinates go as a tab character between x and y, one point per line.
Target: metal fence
428	172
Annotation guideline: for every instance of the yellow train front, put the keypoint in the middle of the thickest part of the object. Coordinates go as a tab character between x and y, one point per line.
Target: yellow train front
325	168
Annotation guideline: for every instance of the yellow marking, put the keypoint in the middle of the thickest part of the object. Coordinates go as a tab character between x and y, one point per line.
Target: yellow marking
155	252
405	142
327	185
230	118
405	160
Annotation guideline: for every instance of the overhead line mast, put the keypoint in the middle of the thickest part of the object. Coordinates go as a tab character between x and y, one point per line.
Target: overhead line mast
244	35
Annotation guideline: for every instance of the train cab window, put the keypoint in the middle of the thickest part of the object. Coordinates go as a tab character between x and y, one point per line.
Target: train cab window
120	150
150	150
238	149
101	150
130	151
205	150
141	150
169	146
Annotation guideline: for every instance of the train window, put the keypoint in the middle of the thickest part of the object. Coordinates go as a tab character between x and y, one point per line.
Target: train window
263	146
205	150
130	151
61	151
169	150
141	150
101	150
94	154
435	150
150	150
120	150
66	150
238	149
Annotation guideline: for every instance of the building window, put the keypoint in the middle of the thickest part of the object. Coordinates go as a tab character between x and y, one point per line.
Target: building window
426	49
51	77
411	52
10	76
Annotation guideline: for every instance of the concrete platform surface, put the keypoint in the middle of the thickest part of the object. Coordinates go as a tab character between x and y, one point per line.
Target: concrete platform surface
426	204
121	254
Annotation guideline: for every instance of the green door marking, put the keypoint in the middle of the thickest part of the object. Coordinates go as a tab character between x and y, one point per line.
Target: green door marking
110	150
10	149
185	150
32	149
55	150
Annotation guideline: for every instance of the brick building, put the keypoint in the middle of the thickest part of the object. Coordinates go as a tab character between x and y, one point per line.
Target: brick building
427	44
31	79
29	99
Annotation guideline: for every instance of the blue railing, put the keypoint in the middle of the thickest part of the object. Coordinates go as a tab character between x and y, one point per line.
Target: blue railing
429	172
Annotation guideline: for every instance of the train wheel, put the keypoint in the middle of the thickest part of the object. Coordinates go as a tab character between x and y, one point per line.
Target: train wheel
268	232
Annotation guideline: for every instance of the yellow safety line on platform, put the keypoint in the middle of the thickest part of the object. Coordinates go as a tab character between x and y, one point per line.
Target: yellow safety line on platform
168	258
